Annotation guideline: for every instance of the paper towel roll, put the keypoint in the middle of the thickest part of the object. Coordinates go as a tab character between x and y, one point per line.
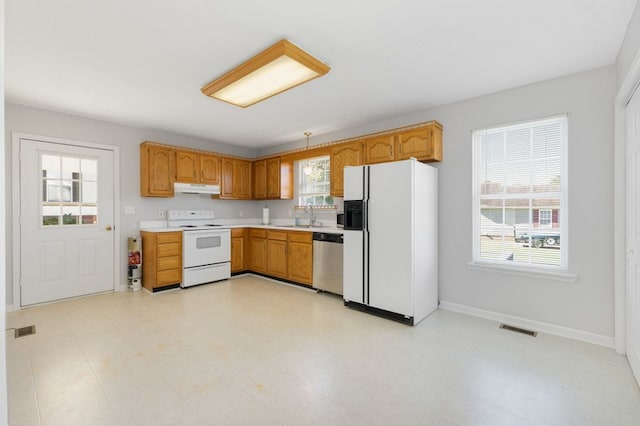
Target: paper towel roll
265	215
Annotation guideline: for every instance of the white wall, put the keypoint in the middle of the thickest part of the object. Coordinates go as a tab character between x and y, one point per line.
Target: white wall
46	123
586	304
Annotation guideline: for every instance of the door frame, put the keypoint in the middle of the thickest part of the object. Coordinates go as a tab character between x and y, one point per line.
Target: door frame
15	218
625	92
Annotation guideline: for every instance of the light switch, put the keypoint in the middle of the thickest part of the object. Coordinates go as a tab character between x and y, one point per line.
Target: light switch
129	210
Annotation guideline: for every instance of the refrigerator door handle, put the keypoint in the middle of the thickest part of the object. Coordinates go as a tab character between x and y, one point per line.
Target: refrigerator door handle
364	215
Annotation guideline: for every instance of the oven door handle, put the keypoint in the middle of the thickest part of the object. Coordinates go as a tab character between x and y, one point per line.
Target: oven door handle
212	265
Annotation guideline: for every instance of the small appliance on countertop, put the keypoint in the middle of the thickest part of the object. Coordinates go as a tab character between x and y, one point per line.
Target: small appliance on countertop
340	219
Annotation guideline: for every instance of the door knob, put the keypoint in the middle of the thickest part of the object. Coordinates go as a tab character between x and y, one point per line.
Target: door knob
108	228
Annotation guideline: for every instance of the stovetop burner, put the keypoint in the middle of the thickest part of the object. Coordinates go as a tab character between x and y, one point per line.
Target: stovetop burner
191	220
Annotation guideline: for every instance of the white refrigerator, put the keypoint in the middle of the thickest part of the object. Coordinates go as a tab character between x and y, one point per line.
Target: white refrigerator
390	239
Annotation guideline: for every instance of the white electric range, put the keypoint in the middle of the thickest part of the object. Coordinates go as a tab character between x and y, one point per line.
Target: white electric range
206	246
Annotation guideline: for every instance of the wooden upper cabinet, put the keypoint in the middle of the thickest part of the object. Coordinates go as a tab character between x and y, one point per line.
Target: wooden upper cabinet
424	144
156	170
209	169
226	177
260	179
235	179
242	180
347	154
379	149
194	167
187	167
272	179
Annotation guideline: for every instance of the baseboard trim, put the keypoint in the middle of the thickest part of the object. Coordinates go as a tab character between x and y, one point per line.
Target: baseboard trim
538	326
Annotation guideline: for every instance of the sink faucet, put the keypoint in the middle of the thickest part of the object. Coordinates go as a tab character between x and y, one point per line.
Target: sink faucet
312	216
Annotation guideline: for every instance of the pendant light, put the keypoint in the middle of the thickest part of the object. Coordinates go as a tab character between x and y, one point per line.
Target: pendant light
308	167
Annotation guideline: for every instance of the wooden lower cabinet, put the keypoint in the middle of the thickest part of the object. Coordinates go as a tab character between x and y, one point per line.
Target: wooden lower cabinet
287	255
161	259
277	258
258	250
300	257
239	251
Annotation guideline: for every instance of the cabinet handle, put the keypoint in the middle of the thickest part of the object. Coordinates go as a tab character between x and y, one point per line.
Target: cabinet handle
400	148
390	150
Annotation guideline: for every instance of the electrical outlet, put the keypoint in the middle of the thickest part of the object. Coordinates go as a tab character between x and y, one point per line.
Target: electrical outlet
129	210
160	214
241	213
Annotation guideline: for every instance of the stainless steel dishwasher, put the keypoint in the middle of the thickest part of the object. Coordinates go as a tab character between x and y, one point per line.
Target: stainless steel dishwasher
327	262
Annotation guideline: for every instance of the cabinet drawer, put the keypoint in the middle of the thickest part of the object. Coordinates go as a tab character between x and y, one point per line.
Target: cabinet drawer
237	232
169	249
277	235
169	237
258	233
301	237
170	262
171	276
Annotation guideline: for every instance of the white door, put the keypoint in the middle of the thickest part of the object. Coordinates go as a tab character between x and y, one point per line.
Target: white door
66	221
633	232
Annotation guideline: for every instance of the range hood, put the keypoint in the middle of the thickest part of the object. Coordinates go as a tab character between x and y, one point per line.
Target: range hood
195	188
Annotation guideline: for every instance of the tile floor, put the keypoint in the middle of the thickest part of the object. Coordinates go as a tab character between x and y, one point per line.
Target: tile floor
249	351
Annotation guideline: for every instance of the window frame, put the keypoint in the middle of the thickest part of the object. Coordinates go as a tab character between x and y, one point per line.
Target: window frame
545	225
298	181
560	271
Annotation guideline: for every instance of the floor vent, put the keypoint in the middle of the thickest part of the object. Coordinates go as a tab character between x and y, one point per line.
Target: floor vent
25	331
519	330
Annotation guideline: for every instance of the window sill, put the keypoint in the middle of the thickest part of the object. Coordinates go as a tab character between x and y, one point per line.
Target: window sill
524	271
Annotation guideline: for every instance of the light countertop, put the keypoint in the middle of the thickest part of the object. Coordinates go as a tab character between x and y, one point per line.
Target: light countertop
328	229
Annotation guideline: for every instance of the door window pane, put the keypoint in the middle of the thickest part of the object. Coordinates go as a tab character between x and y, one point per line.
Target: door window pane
69	190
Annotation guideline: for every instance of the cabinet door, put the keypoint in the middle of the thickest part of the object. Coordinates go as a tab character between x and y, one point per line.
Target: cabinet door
237	254
277	258
301	262
260	179
273	178
258	256
187	167
226	177
209	169
156	171
349	154
242	172
379	149
416	143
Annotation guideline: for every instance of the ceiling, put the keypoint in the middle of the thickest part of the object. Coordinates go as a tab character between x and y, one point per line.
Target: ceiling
143	62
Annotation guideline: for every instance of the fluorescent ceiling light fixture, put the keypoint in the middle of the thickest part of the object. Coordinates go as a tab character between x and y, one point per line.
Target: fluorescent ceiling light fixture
279	68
